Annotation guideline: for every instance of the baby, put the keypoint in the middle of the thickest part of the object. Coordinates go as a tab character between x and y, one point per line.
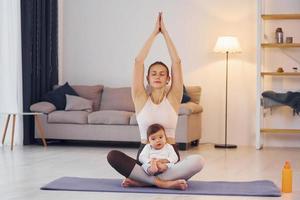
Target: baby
157	156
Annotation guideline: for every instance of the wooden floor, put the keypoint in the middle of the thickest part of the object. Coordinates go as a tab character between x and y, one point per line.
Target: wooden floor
26	169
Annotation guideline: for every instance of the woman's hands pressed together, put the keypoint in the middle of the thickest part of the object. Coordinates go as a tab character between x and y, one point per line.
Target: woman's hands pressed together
157	28
163	29
159	25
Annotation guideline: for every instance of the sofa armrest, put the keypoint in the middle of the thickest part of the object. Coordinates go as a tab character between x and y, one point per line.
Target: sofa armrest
189	108
42	107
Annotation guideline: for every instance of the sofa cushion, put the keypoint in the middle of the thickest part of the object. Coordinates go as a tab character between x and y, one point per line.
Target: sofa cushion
189	108
57	97
43	107
133	120
91	92
109	117
194	92
117	99
78	103
68	117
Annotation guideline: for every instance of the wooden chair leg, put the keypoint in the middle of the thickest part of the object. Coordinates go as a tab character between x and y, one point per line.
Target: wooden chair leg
5	129
13	132
40	129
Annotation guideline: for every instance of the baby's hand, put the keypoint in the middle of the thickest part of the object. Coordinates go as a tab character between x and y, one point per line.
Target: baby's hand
163	160
161	166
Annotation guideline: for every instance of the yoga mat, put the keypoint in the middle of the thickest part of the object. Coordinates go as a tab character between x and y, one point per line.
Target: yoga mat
253	188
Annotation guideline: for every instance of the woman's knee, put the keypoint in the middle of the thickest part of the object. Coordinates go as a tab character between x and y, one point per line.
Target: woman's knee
197	162
113	156
121	162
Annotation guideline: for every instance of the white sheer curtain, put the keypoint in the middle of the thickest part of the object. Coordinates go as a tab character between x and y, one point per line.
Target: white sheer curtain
11	67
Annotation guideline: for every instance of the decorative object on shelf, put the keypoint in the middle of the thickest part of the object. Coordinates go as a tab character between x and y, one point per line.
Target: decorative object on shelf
279	35
280	70
289	39
227	44
295	69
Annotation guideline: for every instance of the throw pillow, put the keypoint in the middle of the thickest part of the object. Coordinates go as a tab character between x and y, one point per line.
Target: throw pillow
117	99
58	96
90	92
78	103
185	96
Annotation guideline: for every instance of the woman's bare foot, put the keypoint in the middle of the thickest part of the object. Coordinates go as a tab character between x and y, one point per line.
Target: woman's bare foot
153	168
177	184
132	183
180	184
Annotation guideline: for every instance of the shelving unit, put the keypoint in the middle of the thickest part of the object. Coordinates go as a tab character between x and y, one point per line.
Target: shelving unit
261	46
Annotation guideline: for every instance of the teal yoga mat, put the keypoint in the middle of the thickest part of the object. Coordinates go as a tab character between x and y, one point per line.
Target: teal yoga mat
262	188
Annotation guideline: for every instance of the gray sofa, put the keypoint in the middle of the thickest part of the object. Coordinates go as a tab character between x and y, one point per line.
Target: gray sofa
112	118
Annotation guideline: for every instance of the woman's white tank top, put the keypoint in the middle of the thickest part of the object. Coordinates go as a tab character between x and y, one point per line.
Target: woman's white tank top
163	114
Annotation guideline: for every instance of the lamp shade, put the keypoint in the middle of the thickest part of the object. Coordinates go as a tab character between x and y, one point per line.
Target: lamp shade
227	44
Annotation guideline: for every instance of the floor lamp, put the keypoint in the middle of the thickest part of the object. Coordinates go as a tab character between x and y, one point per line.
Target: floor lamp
227	44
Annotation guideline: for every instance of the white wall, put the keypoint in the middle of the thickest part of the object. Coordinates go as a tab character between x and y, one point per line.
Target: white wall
101	38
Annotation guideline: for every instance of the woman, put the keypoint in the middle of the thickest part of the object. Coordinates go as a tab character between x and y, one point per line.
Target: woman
159	107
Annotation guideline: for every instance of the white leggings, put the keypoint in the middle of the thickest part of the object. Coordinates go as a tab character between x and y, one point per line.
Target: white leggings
184	169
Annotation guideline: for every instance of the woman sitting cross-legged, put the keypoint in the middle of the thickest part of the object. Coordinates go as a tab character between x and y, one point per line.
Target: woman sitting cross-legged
157	107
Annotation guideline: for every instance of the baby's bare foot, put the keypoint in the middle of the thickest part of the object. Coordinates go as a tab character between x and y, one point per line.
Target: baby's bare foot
153	168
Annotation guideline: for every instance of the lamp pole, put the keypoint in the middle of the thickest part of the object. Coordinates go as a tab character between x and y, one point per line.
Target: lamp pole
226	98
225	145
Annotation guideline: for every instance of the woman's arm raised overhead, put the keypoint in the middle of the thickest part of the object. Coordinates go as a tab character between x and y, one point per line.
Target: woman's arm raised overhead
139	94
176	90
